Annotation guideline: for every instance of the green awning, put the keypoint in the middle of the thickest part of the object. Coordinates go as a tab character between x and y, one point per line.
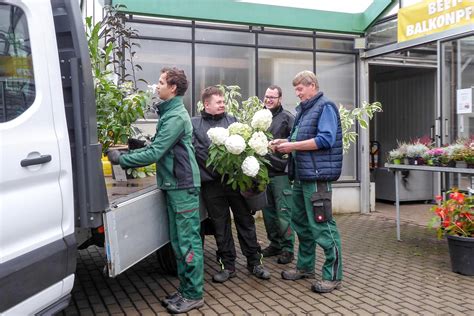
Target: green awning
254	13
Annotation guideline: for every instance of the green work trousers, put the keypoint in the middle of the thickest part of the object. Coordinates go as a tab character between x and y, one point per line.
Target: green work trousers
277	215
307	196
185	224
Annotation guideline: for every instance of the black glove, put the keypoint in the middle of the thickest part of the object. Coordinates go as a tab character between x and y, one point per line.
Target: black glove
134	143
114	156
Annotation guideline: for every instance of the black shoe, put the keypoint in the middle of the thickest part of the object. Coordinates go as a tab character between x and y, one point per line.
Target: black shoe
259	271
223	275
184	305
296	274
271	251
170	299
286	257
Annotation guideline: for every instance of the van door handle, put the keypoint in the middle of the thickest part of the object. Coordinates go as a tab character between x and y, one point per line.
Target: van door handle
35	161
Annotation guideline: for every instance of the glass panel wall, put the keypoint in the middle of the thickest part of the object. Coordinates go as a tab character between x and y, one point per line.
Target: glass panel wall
336	74
225	36
163	31
457	96
382	33
335	44
281	54
153	55
279	67
228	65
285	41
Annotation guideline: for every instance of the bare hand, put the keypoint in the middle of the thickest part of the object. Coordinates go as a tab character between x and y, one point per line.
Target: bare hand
285	148
278	141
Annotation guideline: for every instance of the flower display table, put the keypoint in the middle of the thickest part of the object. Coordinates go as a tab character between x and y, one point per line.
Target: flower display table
397	169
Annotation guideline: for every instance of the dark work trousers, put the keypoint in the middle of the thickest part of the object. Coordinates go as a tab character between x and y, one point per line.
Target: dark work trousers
218	198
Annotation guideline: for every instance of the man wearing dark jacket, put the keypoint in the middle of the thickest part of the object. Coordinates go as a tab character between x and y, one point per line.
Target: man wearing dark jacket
177	175
276	215
219	197
315	145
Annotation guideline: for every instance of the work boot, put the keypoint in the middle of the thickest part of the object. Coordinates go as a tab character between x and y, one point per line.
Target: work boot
172	298
184	305
223	275
259	271
271	251
326	286
285	257
296	274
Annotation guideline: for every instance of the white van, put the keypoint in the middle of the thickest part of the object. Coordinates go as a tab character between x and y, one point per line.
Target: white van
53	196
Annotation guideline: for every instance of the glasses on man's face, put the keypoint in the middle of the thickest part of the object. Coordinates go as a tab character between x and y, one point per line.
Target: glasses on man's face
271	98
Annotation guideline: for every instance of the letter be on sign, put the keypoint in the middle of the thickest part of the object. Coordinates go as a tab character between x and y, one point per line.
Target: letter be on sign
432	8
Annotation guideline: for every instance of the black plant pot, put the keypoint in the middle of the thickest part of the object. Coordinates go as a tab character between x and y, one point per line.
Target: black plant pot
255	201
461	251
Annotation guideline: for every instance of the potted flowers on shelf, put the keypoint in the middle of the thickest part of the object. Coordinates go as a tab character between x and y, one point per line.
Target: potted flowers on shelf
238	154
455	219
432	156
396	156
415	153
468	154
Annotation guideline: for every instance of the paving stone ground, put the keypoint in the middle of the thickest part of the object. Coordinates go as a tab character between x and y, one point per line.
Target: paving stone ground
381	277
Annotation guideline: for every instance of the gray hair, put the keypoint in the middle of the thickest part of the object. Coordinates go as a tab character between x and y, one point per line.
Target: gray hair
306	78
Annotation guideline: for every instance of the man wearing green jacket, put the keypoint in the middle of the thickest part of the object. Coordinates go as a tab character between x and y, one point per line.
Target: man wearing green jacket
178	176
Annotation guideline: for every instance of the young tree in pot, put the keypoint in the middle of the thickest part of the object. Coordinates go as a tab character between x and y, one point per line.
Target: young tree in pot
119	102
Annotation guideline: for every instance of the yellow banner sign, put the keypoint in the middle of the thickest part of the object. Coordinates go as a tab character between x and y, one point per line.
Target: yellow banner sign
433	16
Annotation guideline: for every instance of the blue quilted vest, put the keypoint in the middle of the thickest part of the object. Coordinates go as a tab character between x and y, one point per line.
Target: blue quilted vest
315	165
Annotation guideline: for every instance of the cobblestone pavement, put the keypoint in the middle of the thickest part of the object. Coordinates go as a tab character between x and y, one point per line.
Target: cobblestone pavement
381	276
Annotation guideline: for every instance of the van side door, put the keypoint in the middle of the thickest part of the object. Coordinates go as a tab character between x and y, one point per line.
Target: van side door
37	244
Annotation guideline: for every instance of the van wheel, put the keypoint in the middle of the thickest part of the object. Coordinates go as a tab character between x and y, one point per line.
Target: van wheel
167	259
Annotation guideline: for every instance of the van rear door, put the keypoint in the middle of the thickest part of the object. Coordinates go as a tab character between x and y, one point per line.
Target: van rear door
37	244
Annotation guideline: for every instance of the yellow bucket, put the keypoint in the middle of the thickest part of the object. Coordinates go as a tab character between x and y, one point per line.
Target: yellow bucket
106	166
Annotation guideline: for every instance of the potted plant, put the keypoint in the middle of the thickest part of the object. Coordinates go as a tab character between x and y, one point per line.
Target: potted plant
433	155
469	157
402	148
447	160
455	219
238	154
464	156
119	102
395	156
350	116
458	157
415	153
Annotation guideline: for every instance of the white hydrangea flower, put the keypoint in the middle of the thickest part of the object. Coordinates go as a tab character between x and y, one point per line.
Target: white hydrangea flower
235	144
250	166
218	135
240	129
262	119
259	143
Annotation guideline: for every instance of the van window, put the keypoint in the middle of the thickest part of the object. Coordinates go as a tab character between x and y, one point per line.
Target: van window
17	85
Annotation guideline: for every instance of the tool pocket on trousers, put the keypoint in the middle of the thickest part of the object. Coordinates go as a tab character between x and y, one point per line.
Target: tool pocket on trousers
287	200
322	206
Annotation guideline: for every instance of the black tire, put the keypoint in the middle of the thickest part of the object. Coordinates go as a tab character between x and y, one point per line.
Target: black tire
167	259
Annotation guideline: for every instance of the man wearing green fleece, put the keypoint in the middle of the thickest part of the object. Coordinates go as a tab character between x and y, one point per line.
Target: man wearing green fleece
178	176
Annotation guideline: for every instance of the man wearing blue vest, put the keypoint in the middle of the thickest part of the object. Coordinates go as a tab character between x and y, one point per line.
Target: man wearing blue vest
315	161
